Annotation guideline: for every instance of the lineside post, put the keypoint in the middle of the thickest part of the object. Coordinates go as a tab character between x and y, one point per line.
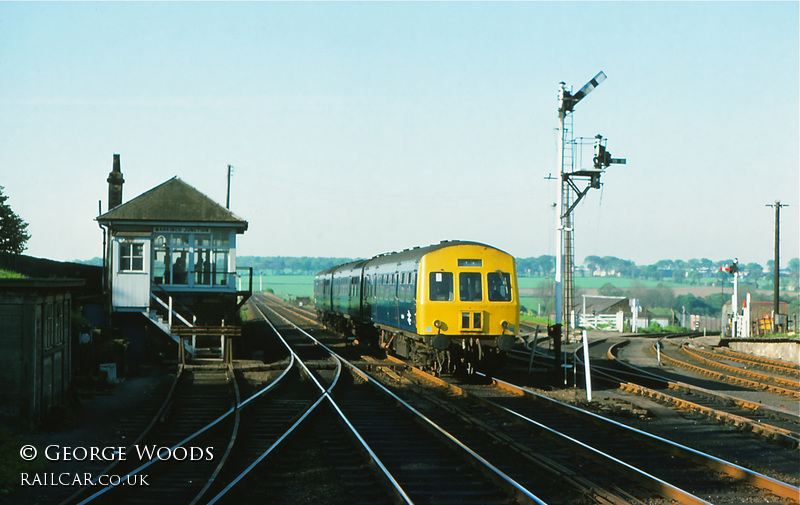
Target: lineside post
776	266
586	367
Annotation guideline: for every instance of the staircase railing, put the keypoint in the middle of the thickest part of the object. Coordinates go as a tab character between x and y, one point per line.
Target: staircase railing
171	304
171	311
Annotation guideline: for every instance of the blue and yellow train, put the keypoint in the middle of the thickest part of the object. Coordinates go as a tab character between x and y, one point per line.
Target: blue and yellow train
448	307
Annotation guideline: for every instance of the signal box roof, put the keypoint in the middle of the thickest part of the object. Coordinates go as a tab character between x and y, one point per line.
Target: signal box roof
173	201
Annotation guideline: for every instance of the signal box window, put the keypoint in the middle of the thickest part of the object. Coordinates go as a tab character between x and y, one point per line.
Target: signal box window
441	289
499	286
469	287
131	257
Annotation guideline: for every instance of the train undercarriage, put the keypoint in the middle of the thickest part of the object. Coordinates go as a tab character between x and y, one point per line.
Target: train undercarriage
438	354
442	354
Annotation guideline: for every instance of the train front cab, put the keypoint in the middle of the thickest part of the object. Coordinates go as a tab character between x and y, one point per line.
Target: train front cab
468	295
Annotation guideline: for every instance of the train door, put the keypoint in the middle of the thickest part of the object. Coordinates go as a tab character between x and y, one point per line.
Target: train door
395	299
406	307
366	297
384	305
374	292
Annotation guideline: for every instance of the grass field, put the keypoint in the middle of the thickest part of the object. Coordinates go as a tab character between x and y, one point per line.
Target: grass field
598	282
303	285
293	286
285	286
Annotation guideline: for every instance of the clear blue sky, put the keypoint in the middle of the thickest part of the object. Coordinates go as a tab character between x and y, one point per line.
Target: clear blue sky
360	128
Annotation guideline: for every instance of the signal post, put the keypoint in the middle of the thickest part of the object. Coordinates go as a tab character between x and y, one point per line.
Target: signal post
569	194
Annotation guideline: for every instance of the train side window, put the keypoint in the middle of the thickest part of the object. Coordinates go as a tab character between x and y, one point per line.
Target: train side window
469	287
441	286
499	286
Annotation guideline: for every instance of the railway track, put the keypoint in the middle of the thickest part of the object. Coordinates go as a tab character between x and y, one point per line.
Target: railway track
781	424
688	482
753	413
773	365
183	445
304	317
704	362
574	447
312	426
424	463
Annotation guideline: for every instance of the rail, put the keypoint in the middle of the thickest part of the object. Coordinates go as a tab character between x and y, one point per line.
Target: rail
235	410
163	451
522	491
731	378
325	396
709	359
735	471
758	426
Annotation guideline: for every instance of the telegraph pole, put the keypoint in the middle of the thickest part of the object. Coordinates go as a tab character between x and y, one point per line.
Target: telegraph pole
228	193
776	265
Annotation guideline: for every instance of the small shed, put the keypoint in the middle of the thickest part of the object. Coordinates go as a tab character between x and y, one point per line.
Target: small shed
612	313
35	345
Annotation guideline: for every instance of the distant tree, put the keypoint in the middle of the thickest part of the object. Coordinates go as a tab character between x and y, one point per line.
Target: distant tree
13	230
716	301
794	274
754	273
592	263
693	305
545	292
542	266
657	297
664	264
547	264
651	272
609	289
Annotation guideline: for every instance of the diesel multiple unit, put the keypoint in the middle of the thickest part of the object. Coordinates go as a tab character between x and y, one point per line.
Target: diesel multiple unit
447	306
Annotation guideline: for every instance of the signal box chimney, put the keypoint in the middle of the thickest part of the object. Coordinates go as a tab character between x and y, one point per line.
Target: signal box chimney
115	182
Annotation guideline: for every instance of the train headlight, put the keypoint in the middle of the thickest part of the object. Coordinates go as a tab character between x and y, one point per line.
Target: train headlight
438	324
